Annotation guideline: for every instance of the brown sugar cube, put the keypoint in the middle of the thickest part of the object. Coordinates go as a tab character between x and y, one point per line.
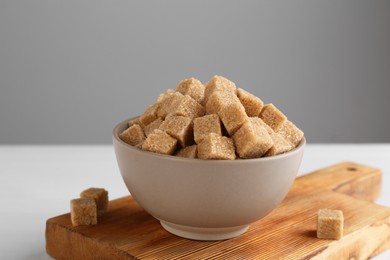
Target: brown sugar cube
133	135
152	126
228	107
83	212
159	142
187	106
205	125
181	105
179	127
162	96
233	116
100	196
139	146
259	122
218	83
219	100
188	152
216	147
330	224
149	115
192	87
272	116
291	133
135	121
168	103
251	103
280	145
252	140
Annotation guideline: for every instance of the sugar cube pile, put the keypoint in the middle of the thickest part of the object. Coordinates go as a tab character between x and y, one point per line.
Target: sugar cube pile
215	121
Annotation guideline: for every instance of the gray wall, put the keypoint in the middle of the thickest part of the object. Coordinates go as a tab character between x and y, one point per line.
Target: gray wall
70	70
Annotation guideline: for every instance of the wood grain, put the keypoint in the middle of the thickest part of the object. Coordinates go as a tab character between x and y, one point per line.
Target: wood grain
289	232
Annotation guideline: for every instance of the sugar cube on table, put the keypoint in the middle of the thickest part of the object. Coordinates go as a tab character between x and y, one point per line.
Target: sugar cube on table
179	127
83	212
205	125
160	142
330	224
216	147
100	196
133	135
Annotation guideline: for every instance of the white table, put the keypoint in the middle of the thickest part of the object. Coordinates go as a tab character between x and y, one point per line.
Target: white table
37	182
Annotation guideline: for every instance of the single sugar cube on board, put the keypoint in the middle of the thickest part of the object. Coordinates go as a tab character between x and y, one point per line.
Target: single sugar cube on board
330	224
192	87
272	116
233	116
216	147
152	126
188	152
149	115
133	135
252	140
83	212
179	127
205	125
251	103
160	142
291	133
218	83
100	196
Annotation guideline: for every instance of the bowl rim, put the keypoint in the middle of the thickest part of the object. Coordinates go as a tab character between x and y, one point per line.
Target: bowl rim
115	135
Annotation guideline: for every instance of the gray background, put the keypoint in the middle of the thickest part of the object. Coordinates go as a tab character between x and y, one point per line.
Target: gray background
71	70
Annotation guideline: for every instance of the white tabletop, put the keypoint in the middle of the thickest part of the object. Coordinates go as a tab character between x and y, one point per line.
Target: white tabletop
37	183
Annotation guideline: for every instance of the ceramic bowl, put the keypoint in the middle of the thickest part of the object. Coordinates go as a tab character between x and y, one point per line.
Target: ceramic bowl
205	199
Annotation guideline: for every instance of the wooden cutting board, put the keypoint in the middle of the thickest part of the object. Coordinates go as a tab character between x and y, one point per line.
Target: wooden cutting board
289	232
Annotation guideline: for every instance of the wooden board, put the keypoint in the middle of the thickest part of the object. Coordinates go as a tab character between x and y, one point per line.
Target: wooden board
289	232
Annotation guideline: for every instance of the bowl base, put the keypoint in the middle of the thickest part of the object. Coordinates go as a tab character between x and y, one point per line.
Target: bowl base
205	234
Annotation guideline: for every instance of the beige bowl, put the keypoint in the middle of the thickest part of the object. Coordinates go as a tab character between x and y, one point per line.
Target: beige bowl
205	199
